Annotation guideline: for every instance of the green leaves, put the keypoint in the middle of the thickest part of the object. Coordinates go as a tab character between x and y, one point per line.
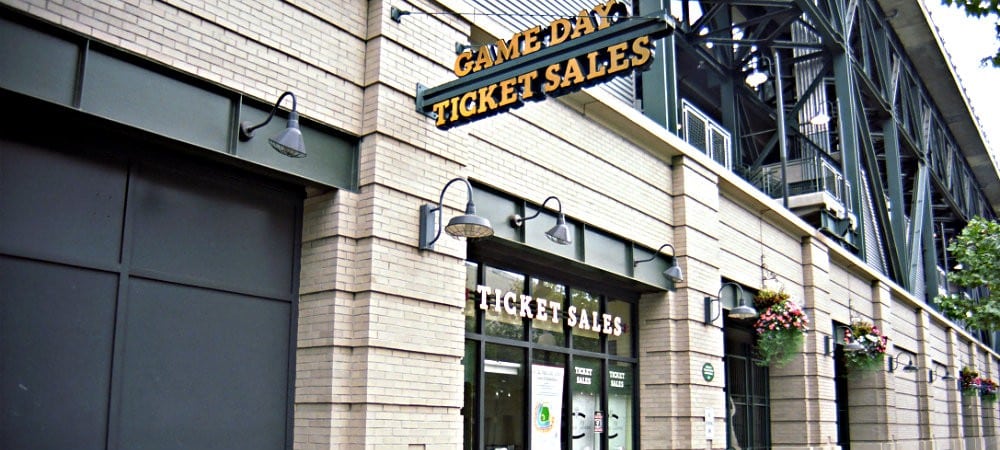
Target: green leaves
977	250
980	9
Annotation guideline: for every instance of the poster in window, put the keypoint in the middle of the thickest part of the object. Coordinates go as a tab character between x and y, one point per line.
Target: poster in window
546	405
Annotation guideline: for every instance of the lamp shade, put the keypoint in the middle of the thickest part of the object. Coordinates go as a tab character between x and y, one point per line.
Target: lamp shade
469	225
560	232
743	311
289	142
674	273
853	346
756	78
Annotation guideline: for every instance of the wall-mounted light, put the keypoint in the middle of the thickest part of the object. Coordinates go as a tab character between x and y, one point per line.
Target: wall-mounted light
851	345
288	142
908	367
674	272
467	225
743	311
559	233
932	374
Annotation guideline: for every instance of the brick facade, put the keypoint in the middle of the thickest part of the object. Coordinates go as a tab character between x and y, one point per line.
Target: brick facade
381	324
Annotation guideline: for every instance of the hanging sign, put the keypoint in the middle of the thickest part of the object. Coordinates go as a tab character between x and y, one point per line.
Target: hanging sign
544	61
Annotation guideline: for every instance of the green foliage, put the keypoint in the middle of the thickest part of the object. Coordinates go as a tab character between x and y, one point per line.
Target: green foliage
977	250
981	9
874	343
777	348
779	328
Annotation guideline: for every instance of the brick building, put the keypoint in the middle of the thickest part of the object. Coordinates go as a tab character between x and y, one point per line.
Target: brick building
170	282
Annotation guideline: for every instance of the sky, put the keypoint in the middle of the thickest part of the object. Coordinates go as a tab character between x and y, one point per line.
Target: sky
967	41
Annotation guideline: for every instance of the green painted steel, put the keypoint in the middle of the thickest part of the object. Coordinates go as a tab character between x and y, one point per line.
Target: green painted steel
591	247
71	71
50	63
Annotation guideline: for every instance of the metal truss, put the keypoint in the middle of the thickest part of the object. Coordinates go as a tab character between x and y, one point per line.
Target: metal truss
907	187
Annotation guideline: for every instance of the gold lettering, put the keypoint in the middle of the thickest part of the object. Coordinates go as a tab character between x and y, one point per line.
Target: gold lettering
439	110
532	43
486	100
643	51
467	106
508	51
573	74
508	95
597	67
552	78
617	60
559	31
463	64
584	24
484	60
527	82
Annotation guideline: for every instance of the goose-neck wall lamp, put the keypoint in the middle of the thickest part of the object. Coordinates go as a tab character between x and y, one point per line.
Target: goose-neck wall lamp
468	225
851	344
288	142
908	367
932	374
743	311
559	233
674	272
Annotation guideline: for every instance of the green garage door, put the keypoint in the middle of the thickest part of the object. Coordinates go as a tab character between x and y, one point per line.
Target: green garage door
142	304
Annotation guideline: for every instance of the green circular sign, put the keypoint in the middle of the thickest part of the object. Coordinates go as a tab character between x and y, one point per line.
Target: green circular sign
708	372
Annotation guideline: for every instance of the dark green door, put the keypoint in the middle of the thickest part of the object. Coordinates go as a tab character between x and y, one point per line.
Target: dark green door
143	303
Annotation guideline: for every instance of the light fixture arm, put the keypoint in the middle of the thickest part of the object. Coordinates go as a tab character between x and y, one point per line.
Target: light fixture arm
246	132
710	315
673	252
517	221
434	213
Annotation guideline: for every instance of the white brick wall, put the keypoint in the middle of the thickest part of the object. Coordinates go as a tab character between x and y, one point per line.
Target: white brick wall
376	314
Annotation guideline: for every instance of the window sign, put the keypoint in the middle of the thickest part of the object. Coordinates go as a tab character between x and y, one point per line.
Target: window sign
547	366
546	410
586	403
509	305
619	418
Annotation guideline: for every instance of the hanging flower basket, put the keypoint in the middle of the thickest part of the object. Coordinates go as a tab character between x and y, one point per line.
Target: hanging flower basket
970	382
988	390
780	328
874	343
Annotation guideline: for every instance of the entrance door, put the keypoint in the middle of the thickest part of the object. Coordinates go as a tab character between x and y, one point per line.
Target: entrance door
142	304
747	392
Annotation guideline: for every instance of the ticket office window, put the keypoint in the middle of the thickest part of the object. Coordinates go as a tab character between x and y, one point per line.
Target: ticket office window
547	365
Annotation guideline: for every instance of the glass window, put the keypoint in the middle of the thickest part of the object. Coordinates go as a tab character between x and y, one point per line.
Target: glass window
620	406
504	397
548	375
502	317
534	382
471	388
620	345
586	391
550	330
471	297
584	311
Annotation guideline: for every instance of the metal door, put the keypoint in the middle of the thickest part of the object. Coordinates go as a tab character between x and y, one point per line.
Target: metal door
142	304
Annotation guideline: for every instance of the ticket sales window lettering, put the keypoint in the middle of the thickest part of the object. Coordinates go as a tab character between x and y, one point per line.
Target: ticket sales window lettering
547	363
